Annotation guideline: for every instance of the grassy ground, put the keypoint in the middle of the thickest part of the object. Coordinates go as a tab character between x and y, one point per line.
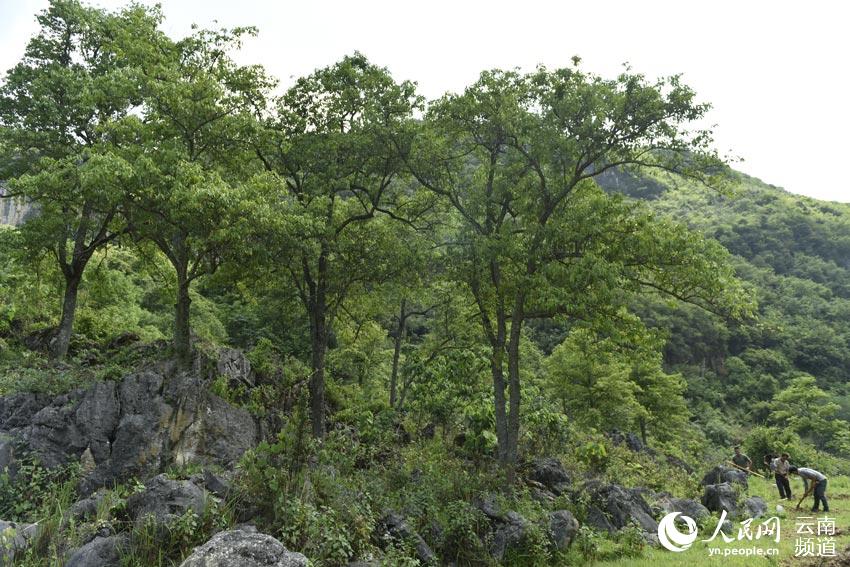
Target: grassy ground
838	495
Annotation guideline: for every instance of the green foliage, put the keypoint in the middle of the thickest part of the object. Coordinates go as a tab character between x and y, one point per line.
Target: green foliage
593	454
616	383
152	545
805	409
465	535
32	487
318	532
425	291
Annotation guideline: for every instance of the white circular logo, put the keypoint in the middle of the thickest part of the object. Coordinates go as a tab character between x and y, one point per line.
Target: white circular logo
669	535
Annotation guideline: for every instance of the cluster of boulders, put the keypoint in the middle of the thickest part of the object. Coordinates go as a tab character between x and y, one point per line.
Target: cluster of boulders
723	489
137	427
163	416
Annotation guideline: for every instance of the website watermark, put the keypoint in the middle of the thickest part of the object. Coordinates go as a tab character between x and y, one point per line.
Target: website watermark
815	536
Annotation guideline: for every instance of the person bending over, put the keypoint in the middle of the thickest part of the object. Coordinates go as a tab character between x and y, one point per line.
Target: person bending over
817	486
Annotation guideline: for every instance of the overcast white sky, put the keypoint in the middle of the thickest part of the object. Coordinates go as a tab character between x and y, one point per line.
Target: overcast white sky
776	72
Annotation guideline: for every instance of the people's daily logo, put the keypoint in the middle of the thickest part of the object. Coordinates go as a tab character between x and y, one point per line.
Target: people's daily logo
669	535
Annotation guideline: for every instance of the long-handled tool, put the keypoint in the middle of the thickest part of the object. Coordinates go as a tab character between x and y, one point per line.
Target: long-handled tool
748	471
811	488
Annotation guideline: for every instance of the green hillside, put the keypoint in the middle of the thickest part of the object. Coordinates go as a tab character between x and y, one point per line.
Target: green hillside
343	325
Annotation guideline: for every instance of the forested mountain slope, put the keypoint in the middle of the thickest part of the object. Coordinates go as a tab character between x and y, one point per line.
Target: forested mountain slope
794	252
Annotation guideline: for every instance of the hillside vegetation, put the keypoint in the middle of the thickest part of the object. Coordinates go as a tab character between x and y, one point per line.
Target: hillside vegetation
511	326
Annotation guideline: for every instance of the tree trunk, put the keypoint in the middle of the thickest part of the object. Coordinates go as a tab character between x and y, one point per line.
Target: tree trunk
399	339
319	343
499	401
643	430
58	348
514	390
182	337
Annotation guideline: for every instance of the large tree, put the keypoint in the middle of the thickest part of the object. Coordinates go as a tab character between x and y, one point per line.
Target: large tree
188	148
56	105
516	155
331	172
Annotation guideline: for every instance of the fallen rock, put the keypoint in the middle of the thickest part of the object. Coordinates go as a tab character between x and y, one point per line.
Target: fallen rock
551	474
7	456
754	507
86	508
488	506
53	434
622	506
235	366
99	552
596	519
630	440
685	506
392	526
510	535
238	548
721	474
718	497
14	540
17	410
563	528
218	484
164	500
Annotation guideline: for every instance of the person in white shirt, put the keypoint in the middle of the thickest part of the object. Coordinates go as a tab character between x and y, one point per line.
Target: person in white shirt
817	486
780	466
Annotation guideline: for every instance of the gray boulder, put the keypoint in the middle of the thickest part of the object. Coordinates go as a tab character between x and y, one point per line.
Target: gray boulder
17	410
14	539
219	484
97	416
597	519
86	508
237	548
551	474
392	526
7	456
721	474
488	506
630	440
164	500
754	507
99	552
235	366
685	506
718	497
53	433
509	535
137	427
622	506
563	528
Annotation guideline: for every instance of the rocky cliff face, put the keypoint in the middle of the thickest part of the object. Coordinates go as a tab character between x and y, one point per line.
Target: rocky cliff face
12	211
137	427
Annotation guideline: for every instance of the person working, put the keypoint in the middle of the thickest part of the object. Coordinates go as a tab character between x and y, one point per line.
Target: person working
780	468
741	459
817	486
770	462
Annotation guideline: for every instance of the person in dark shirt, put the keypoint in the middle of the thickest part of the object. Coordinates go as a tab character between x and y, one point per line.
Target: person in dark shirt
741	459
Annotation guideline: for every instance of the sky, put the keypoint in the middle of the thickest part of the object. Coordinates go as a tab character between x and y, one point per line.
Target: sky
775	72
